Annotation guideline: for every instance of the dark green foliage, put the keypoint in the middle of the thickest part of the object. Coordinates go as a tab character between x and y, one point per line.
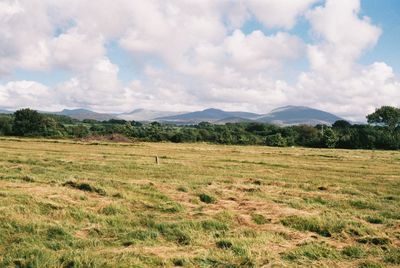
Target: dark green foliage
205	198
386	115
85	187
374	220
341	124
6	125
27	122
224	244
378	241
275	140
329	138
179	262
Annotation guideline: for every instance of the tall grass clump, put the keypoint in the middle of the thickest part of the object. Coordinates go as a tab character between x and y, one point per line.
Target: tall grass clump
324	225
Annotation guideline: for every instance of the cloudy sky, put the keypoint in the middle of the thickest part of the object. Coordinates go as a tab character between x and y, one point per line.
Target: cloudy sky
342	56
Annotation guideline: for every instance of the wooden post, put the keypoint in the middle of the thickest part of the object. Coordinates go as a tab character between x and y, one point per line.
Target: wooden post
157	160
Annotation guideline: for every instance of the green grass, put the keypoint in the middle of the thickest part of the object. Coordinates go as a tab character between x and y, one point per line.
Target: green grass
74	204
325	226
259	219
312	252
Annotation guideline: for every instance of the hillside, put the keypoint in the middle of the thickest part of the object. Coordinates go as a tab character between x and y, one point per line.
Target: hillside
288	115
5	111
296	115
209	115
82	114
145	115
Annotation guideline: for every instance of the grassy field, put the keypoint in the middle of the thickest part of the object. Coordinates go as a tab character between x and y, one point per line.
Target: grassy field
74	204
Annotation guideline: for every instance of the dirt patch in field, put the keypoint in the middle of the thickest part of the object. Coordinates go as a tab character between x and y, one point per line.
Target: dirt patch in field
106	138
164	252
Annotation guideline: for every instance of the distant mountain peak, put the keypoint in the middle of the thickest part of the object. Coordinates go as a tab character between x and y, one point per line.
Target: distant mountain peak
78	110
295	115
212	110
136	111
211	115
289	107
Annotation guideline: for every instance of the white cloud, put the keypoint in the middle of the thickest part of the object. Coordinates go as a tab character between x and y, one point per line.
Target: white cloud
26	94
23	35
98	88
345	36
279	13
260	52
193	54
76	51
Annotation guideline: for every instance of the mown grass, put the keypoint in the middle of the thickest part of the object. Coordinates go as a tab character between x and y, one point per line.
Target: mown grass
76	204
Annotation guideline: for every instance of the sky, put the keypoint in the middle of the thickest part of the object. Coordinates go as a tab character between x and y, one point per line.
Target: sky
341	56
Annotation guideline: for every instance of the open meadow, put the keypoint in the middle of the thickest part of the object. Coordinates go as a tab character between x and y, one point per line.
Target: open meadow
89	204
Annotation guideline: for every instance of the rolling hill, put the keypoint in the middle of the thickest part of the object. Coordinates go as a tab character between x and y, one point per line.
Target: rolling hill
288	115
5	112
82	114
146	115
209	115
296	115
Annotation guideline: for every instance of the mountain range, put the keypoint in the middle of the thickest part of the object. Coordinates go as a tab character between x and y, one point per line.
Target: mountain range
288	115
5	112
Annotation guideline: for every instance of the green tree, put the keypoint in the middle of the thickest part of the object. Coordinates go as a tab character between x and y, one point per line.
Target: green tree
275	140
386	115
341	124
5	125
80	131
27	122
329	138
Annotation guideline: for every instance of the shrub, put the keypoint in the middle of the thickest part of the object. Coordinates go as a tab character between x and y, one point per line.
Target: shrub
84	187
179	262
205	198
224	244
275	140
374	240
374	220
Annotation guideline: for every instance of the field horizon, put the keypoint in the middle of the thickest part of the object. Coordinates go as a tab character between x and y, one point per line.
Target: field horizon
66	203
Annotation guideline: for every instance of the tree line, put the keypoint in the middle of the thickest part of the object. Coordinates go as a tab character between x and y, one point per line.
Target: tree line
381	132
